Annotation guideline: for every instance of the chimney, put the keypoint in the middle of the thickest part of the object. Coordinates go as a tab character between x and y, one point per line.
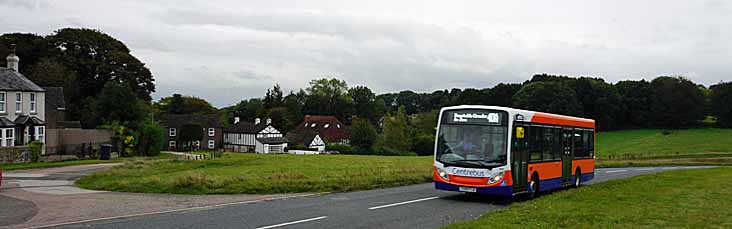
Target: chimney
236	120
257	121
269	121
12	59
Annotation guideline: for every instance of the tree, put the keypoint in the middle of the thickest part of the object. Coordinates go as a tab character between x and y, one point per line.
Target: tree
189	134
364	102
151	139
409	100
363	134
600	101
31	48
676	102
396	131
273	98
721	103
329	97
636	99
117	102
502	94
293	107
175	105
550	97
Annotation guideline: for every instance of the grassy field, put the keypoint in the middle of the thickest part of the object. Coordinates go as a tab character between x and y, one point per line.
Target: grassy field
41	165
252	173
652	147
680	199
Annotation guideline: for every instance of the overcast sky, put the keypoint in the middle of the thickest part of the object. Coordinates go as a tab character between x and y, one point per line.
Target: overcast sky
224	51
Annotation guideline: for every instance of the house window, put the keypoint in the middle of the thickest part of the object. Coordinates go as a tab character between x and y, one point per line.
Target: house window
211	132
32	102
7	137
171	144
18	102
211	144
326	126
40	133
171	132
2	102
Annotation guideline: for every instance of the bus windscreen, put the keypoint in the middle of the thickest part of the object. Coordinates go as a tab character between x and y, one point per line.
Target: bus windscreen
473	138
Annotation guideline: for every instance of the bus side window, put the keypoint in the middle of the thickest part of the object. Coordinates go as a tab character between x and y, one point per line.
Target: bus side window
557	144
548	143
589	142
578	144
535	140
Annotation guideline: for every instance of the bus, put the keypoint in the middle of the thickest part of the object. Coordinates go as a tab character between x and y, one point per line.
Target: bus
506	152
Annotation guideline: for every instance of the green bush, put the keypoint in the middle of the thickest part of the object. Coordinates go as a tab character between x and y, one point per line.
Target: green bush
341	148
151	139
36	147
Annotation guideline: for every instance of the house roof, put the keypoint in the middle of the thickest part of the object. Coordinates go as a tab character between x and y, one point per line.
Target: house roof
176	120
25	119
55	98
5	122
300	138
273	140
247	128
11	80
328	127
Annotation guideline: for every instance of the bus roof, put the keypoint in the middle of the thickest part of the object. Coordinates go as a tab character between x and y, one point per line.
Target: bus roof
534	116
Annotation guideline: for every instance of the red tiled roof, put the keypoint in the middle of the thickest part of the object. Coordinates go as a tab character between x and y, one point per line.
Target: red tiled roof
328	127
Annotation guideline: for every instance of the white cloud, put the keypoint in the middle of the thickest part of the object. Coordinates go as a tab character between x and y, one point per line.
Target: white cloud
228	50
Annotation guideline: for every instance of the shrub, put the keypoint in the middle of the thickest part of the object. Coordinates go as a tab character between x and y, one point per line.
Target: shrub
151	139
386	151
363	134
424	144
341	148
36	147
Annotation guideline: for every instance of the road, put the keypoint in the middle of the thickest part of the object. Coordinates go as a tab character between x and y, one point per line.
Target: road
416	206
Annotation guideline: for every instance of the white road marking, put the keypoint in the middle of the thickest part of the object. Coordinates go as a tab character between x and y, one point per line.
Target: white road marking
646	169
405	202
294	222
617	171
175	210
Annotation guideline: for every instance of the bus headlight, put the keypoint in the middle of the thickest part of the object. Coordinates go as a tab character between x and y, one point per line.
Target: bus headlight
443	174
496	178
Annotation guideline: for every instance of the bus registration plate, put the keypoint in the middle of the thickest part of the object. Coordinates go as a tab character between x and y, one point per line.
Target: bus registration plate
467	189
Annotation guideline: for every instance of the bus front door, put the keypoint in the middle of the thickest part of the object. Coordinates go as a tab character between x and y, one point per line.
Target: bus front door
520	159
567	157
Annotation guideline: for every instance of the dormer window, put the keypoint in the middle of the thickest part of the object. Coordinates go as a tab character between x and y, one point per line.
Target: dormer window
306	124
313	125
18	102
326	126
338	125
33	102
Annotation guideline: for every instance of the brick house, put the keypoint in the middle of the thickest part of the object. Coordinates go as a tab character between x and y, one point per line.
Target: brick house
212	138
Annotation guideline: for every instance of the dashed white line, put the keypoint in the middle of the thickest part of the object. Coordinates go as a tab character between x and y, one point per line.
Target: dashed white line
294	222
405	202
617	171
646	169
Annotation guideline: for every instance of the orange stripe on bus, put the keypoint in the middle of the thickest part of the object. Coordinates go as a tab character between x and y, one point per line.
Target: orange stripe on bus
562	120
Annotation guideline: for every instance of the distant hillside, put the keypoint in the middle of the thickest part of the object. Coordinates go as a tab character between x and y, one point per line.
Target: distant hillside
654	143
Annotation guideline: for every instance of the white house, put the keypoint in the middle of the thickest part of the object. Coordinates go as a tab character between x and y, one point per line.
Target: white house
22	106
258	136
308	140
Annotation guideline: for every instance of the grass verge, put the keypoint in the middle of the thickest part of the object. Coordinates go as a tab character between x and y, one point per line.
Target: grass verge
692	198
654	147
42	165
252	173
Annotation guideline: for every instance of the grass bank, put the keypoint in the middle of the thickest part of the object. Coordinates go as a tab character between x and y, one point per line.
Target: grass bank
42	165
680	199
252	173
649	147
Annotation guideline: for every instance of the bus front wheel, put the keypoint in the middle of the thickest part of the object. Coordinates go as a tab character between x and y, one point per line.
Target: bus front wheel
533	187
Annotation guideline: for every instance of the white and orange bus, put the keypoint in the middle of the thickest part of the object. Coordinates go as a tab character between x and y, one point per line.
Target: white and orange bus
505	151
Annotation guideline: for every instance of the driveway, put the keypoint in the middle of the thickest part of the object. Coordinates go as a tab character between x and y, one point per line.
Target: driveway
47	197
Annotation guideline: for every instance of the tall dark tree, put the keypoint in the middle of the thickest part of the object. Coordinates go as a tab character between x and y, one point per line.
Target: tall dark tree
363	102
31	48
274	97
363	134
502	94
175	104
636	99
117	102
600	101
721	103
329	97
551	97
676	102
409	100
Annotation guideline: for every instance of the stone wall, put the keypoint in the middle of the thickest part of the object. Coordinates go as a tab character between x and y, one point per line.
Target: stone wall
14	154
